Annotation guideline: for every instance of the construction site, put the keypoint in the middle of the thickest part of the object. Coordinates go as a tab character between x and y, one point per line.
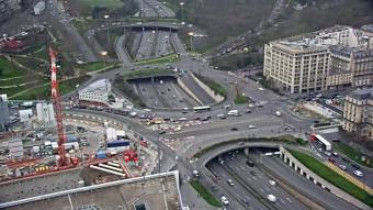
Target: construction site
48	151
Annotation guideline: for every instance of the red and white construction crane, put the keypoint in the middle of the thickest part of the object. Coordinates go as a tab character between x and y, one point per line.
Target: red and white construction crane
63	161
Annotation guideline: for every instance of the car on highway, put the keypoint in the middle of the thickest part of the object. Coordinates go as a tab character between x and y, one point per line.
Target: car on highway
272	198
272	182
248	111
230	182
224	200
195	173
250	163
358	173
251	126
356	166
162	132
346	160
343	167
234	129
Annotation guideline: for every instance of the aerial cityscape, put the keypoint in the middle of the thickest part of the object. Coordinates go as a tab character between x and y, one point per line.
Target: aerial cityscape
186	104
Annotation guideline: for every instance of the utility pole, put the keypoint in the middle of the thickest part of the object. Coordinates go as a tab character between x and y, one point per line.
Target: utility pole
159	155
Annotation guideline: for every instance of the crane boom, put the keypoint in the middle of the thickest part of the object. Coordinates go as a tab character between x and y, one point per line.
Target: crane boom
57	105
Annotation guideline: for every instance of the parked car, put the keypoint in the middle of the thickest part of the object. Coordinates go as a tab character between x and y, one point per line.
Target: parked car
335	154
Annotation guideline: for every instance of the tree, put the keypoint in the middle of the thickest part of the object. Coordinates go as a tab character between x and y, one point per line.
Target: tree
1	72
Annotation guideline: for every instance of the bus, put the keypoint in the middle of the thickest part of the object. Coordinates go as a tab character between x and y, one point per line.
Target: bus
201	108
322	141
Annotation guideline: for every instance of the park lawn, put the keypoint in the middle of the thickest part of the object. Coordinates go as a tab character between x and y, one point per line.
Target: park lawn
331	176
11	91
164	59
14	81
210	199
9	70
353	154
44	92
111	4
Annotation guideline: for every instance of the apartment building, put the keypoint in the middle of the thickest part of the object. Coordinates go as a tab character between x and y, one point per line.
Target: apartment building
332	58
358	112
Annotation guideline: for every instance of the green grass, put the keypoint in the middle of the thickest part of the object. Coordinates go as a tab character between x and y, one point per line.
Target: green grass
147	73
353	154
240	99
82	25
9	82
11	91
43	91
111	4
9	70
94	66
210	199
217	88
165	59
328	174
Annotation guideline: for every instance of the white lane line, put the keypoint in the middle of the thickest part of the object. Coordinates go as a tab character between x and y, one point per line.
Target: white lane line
288	199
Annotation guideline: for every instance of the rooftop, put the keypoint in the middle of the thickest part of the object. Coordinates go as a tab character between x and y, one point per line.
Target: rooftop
362	94
99	85
367	28
159	191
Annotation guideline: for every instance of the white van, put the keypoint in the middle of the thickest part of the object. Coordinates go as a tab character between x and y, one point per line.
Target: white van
233	112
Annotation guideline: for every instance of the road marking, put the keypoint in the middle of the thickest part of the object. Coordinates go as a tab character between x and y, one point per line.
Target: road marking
288	199
282	201
255	178
248	178
261	190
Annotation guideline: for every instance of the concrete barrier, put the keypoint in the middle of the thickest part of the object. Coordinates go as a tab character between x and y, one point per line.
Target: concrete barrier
303	170
218	98
188	91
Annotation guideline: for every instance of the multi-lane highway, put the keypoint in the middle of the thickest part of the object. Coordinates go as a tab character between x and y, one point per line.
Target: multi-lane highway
251	186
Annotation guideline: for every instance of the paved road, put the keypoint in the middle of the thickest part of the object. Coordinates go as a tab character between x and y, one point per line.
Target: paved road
305	186
122	53
60	16
235	168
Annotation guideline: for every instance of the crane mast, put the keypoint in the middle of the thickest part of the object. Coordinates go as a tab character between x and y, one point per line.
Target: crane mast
57	105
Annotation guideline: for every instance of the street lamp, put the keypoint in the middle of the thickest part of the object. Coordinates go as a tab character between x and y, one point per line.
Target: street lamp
191	34
108	29
182	12
103	54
